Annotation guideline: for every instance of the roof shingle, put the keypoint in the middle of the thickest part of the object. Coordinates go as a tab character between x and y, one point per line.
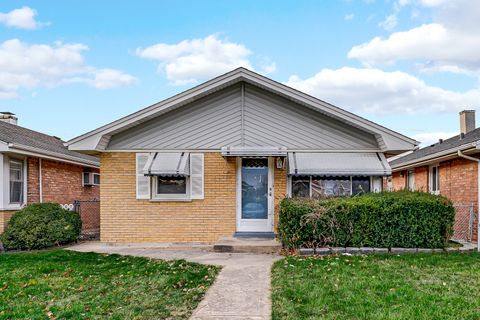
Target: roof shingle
20	136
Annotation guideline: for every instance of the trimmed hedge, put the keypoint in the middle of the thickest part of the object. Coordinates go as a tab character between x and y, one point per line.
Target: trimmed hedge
387	219
41	225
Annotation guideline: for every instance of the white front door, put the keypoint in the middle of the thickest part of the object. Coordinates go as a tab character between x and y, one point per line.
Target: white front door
255	194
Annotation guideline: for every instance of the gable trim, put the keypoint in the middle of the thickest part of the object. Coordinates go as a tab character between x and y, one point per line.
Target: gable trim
99	138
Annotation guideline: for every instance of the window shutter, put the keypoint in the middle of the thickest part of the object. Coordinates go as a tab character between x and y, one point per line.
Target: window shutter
196	176
143	182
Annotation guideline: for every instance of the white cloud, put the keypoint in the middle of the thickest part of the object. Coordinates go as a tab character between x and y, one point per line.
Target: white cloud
380	92
349	17
389	23
450	43
193	60
429	138
23	18
27	66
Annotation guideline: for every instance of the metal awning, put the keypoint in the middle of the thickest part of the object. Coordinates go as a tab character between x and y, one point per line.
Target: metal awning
167	164
338	164
254	151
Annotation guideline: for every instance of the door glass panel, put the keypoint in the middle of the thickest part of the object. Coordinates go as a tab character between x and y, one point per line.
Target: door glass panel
254	188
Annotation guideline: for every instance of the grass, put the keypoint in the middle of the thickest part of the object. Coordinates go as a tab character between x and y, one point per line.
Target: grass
60	284
416	286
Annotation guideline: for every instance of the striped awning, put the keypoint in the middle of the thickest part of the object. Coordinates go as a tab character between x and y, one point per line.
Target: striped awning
167	164
338	164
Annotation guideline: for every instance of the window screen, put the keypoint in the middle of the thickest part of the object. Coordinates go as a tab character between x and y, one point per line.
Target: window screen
331	187
171	185
360	185
301	186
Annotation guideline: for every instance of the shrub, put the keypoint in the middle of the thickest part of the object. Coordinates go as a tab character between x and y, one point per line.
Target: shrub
388	219
41	225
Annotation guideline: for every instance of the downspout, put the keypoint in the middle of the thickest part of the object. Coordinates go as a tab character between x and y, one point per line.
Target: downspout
461	155
40	190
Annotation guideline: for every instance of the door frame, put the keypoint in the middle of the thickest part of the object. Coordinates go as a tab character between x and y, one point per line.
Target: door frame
255	225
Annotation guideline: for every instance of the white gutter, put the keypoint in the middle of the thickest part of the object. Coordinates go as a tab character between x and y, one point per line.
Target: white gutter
461	155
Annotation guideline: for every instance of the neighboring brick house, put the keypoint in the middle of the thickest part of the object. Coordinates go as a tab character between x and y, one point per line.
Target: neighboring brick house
35	167
450	168
215	160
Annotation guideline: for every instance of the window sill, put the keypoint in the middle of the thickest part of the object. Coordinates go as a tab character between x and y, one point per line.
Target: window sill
171	200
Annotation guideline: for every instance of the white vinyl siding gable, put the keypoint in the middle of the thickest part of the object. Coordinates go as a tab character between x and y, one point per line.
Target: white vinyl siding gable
142	182
197	176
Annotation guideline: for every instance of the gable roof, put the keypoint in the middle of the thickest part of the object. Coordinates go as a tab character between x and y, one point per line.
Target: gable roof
439	149
20	138
98	139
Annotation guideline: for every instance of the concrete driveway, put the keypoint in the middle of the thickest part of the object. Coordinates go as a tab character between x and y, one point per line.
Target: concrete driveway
241	290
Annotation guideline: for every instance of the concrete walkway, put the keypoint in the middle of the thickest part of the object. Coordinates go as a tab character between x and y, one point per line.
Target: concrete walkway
241	290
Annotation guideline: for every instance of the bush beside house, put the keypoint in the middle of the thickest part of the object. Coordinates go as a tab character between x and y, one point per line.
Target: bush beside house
41	225
388	219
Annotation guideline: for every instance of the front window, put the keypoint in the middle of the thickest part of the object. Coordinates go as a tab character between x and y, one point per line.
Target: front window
320	187
301	187
16	181
331	186
411	180
434	179
360	185
171	186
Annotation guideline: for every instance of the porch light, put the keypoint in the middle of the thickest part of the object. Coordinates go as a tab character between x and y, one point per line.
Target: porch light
279	163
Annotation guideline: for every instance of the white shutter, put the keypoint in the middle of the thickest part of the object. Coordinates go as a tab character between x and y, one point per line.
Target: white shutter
143	182
196	176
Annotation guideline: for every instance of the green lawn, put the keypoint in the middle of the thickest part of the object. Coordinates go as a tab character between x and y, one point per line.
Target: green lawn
417	286
60	284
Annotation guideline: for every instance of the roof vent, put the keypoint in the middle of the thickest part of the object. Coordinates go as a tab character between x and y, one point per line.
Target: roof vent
8	117
440	140
462	135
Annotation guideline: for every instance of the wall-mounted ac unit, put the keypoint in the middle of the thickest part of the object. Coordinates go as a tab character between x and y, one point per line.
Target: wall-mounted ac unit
90	179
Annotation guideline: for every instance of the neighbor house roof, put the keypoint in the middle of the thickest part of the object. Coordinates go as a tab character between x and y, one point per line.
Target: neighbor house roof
98	139
15	138
448	147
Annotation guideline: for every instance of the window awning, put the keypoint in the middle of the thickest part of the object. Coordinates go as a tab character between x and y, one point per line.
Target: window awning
167	164
338	164
238	151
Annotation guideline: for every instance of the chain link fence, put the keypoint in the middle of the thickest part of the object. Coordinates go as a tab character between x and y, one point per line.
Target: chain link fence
89	211
464	227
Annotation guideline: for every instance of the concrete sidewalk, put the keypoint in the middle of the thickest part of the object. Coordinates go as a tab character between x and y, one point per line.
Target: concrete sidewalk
241	290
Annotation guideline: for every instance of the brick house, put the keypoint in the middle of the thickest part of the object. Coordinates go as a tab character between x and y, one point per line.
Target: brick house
450	168
216	160
35	167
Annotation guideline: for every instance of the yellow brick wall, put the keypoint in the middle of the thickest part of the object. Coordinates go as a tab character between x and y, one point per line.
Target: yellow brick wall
4	218
126	219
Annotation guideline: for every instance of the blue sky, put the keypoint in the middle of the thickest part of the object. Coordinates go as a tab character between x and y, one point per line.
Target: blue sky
67	67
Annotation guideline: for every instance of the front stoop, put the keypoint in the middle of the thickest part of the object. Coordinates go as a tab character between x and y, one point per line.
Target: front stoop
247	245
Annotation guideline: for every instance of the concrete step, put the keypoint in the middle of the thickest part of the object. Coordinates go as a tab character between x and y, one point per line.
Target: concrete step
247	245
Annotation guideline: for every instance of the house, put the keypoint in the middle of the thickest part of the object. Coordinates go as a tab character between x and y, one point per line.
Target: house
450	168
35	167
216	160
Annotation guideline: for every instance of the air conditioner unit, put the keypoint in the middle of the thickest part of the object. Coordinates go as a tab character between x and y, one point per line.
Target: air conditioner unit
90	179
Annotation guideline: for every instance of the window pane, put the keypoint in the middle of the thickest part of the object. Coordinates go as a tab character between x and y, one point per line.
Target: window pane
16	192
16	181
96	179
301	186
171	185
331	186
360	185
